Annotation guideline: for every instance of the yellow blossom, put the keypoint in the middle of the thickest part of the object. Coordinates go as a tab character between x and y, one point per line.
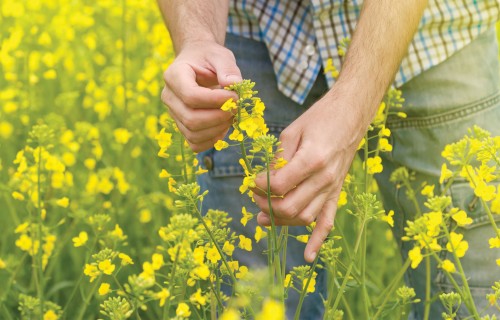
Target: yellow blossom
246	216
230	314
460	217
248	182
118	233
162	296
415	256
228	248
312	283
384	145
494	242
125	259
23	227
236	135
81	239
457	244
445	173
229	105
428	191
288	280
389	218
220	144
259	234
158	261
342	199
198	299
104	289
122	135
18	196
91	271
280	163
106	267
24	242
183	310
145	216
202	272
213	255
484	191
3	264
448	266
271	309
50	315
63	202
245	243
164	174
234	265
374	165
303	238
242	272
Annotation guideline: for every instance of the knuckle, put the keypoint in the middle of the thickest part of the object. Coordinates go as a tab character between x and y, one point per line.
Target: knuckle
288	210
318	162
278	188
190	122
306	219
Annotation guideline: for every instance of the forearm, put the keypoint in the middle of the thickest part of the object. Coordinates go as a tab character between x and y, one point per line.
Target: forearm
380	42
195	20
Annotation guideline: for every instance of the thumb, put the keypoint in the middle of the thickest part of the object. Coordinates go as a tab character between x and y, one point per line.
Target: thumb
226	69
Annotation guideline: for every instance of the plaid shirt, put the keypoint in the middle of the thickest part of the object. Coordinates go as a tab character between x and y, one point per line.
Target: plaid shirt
302	35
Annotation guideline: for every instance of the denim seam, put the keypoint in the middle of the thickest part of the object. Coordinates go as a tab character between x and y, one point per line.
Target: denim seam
439	119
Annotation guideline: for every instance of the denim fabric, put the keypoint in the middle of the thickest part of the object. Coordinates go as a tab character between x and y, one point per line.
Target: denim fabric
441	104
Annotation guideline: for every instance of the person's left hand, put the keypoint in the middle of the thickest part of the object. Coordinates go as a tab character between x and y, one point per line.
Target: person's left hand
319	147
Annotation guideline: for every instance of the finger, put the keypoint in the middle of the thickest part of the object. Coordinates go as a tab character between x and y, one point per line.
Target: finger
226	69
181	80
295	201
193	119
324	225
304	218
298	169
209	134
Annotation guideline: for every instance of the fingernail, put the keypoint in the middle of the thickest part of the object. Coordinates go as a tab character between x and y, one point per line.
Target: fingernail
231	78
312	256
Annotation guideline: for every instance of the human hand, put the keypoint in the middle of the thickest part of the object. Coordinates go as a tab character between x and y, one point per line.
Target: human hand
194	92
319	147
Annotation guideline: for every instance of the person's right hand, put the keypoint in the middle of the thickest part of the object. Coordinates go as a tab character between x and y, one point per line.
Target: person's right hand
194	92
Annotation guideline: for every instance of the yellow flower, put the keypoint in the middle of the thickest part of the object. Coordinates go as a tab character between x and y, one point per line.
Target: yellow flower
91	271
18	196
312	283
24	242
236	135
389	218
145	216
202	272
229	105
259	234
460	217
303	238
245	243
213	255
82	238
3	264
280	163
125	259
183	310
342	199
384	145
198	299
374	165
484	191
228	248
242	272
230	314
248	182
104	289
415	256
428	191
199	254
271	310
445	174
164	174
246	216
118	233
23	227
220	144
457	244
162	296
288	280
158	261
448	266
233	265
122	135
106	267
494	242
50	315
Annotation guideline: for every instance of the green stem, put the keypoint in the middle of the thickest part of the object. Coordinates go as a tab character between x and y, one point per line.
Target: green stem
183	155
427	304
349	268
304	288
86	301
387	294
166	308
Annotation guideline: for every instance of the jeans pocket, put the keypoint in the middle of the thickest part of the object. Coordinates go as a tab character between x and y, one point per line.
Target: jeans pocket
479	262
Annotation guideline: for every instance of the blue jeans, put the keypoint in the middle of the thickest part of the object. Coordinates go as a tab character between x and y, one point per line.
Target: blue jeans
441	104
